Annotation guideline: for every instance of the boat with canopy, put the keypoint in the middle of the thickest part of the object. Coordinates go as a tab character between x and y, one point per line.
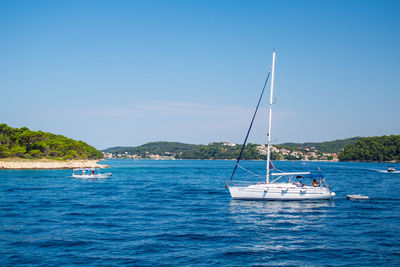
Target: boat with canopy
89	173
278	185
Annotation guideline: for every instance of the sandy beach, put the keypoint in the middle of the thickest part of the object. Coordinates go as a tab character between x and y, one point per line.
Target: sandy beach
24	164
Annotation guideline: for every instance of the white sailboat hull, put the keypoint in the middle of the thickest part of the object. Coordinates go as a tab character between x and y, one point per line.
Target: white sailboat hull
279	191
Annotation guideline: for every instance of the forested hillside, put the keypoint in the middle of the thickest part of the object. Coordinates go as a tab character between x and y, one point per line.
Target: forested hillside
161	148
24	143
385	148
221	151
327	147
216	150
382	148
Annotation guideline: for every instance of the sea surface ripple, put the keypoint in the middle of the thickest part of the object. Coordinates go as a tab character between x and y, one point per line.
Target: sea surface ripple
178	213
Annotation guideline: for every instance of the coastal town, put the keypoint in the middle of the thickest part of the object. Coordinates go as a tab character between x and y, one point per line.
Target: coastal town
127	155
307	153
278	152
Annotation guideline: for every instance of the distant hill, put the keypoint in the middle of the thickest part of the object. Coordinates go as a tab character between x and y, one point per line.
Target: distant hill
188	151
160	148
329	146
357	148
219	150
378	148
24	143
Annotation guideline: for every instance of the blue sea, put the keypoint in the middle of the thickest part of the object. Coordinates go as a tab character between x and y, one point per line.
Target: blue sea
178	213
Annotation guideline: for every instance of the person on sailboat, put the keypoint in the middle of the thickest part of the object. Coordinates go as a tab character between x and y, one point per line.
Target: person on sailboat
314	183
320	182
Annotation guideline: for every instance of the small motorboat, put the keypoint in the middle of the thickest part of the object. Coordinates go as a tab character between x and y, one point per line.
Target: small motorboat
357	197
89	173
391	169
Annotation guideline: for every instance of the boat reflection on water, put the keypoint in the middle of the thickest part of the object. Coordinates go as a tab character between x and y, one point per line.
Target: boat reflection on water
276	206
281	227
291	213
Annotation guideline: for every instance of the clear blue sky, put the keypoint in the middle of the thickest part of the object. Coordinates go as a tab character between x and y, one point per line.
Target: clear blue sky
129	72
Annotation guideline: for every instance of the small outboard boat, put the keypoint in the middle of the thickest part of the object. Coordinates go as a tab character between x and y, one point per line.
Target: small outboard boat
357	197
391	169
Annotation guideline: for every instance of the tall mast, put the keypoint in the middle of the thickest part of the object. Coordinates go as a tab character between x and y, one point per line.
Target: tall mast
270	114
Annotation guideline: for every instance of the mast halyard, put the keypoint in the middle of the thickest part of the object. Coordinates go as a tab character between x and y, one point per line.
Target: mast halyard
270	115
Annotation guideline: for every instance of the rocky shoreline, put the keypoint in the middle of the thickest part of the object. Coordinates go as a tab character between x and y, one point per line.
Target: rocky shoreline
28	164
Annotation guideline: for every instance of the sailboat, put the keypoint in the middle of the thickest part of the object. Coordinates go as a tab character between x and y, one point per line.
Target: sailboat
279	185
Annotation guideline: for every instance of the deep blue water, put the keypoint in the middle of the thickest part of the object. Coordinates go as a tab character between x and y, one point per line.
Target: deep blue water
178	213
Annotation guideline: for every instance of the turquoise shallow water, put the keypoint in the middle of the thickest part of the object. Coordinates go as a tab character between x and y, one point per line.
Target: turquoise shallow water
178	213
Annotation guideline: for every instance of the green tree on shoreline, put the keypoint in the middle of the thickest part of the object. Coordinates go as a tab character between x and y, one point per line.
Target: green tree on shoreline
24	143
382	148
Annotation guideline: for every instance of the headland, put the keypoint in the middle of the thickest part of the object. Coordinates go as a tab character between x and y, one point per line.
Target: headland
25	164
